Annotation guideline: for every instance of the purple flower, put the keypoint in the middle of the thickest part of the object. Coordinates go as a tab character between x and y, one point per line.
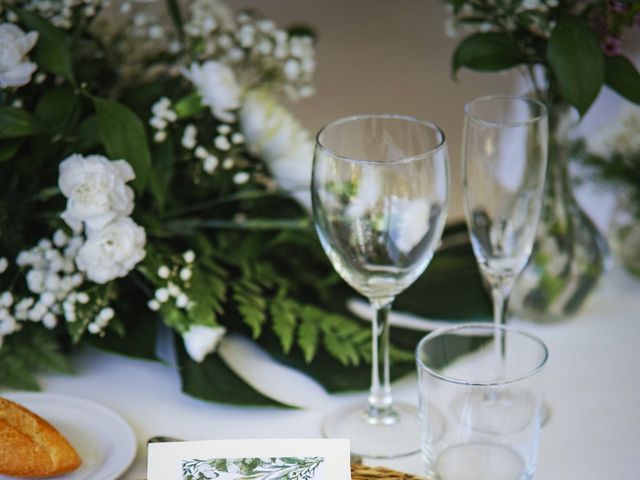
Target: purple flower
618	6
636	21
611	45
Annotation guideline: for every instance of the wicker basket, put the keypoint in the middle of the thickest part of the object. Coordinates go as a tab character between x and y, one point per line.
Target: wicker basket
362	472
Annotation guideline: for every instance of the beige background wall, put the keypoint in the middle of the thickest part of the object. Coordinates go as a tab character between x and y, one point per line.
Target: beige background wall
383	56
392	56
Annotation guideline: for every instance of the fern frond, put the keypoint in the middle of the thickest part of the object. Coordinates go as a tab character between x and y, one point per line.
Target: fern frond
284	320
249	299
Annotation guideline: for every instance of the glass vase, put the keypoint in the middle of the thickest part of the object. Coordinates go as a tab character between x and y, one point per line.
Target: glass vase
570	253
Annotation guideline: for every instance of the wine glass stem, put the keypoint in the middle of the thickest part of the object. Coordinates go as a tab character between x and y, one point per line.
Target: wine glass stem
380	400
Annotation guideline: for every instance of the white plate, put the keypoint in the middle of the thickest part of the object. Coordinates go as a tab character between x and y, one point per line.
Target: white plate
105	442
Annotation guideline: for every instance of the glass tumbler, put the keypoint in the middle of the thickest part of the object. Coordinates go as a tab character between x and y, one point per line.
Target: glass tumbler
480	415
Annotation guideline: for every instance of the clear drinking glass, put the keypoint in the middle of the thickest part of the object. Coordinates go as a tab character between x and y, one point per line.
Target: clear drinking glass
380	197
493	439
504	158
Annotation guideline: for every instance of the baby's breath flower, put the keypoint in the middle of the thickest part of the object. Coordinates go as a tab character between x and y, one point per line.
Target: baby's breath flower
153	305
162	295
189	256
241	178
201	152
185	274
189	137
182	301
222	143
164	272
210	164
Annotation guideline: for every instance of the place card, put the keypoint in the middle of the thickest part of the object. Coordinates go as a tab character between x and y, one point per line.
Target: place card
303	459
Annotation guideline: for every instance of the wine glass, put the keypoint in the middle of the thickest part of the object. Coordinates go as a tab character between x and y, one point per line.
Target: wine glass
504	157
380	198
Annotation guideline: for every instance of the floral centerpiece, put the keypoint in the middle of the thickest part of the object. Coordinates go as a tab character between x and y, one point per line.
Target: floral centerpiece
567	50
151	175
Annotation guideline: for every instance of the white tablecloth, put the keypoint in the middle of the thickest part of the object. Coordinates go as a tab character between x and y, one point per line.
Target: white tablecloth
593	390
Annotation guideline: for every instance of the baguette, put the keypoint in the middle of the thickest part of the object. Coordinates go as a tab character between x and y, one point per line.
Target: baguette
30	447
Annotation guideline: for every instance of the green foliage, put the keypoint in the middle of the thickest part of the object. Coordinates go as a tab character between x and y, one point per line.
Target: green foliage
28	352
124	137
623	77
619	169
189	105
16	122
51	52
487	52
577	61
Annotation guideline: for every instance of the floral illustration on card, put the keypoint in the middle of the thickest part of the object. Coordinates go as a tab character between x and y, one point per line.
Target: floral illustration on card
253	468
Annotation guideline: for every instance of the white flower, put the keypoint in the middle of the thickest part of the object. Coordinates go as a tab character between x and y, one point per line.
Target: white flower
241	177
272	133
6	299
164	272
189	256
182	301
112	251
162	295
4	264
218	87
95	190
199	341
15	69
185	274
153	305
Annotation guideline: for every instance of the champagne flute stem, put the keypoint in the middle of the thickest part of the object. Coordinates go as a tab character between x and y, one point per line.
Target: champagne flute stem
499	319
380	399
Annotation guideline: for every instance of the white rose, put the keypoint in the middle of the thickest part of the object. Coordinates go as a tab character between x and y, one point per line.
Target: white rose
112	251
273	134
95	190
199	341
15	69
218	87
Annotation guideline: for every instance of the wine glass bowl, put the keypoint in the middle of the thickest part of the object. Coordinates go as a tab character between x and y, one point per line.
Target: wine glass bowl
380	197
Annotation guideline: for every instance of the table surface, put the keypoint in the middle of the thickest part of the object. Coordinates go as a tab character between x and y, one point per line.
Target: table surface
593	391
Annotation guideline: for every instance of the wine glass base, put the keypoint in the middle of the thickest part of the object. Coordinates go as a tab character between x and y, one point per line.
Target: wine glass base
397	436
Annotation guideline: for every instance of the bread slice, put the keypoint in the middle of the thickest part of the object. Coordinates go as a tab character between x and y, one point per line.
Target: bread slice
30	447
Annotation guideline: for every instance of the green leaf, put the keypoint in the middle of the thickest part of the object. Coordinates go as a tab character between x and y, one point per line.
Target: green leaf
577	61
51	52
9	147
487	52
623	77
16	122
55	106
124	137
189	105
162	172
213	380
87	135
141	332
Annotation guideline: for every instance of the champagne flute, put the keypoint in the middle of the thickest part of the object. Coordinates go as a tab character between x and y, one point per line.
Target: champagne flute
380	197
504	158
